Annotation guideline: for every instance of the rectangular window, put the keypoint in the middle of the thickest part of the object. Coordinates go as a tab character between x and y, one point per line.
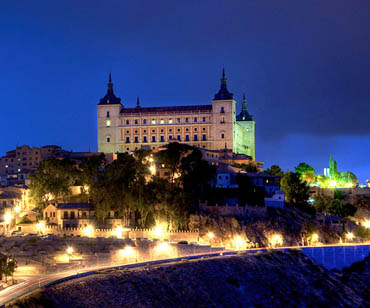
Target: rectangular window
187	120
195	120
170	121
108	123
127	122
162	138
195	137
178	120
145	140
222	136
222	110
153	121
178	137
162	121
204	119
187	138
144	121
204	137
127	139
169	137
135	122
136	139
107	114
108	139
153	138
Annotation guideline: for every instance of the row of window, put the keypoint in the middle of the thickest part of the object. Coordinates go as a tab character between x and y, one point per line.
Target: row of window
169	130
162	121
161	138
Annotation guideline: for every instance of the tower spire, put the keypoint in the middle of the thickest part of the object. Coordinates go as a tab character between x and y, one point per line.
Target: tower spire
109	97
223	93
137	102
110	83
244	103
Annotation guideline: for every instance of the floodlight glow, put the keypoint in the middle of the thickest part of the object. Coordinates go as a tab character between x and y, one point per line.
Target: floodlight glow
8	217
118	232
41	227
210	235
88	231
69	250
349	236
128	251
275	240
17	208
366	223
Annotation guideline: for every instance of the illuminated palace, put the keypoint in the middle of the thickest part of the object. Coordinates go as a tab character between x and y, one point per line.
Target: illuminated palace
214	127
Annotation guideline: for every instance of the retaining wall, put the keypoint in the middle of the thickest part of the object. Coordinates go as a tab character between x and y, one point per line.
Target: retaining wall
337	257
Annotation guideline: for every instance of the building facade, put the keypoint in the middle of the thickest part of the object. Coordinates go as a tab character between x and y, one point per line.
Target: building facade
214	126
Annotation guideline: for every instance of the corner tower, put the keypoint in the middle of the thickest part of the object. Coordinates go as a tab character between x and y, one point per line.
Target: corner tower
108	111
244	132
223	115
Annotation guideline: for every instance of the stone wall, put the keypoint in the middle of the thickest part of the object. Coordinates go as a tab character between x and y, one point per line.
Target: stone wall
337	257
176	236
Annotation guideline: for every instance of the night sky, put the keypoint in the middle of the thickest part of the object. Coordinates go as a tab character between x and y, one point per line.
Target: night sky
304	65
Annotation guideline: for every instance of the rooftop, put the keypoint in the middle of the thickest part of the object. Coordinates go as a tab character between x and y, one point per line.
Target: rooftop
85	206
175	109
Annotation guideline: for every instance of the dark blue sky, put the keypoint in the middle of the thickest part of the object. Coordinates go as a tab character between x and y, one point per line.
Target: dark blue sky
304	65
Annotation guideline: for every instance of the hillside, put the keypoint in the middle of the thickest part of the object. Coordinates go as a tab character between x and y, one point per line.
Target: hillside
273	279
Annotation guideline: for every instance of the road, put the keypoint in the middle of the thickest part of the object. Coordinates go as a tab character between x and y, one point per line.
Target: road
34	282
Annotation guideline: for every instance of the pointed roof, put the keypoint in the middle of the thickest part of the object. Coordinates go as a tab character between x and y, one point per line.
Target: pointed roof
110	98
137	102
223	93
244	114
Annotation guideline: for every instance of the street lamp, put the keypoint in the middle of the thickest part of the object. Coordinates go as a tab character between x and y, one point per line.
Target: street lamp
69	253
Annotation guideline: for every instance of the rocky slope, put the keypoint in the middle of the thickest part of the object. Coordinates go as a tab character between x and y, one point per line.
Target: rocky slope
273	279
295	226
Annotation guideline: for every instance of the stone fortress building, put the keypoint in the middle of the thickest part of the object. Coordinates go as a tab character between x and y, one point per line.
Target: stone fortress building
214	127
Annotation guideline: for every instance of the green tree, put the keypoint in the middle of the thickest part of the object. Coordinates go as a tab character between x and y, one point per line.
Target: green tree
89	170
336	207
306	172
331	167
9	268
275	170
348	177
321	203
120	187
296	191
52	181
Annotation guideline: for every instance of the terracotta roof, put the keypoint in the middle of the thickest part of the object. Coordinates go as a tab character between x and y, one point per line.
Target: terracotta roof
191	108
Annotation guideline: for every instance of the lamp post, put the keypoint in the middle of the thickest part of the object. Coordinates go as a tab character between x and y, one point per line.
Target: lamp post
69	253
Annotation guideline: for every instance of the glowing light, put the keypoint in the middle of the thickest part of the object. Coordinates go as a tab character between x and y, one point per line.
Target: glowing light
128	251
88	231
159	230
17	208
152	169
366	224
164	250
314	238
239	243
150	159
8	218
210	235
118	232
275	240
69	251
41	227
349	236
